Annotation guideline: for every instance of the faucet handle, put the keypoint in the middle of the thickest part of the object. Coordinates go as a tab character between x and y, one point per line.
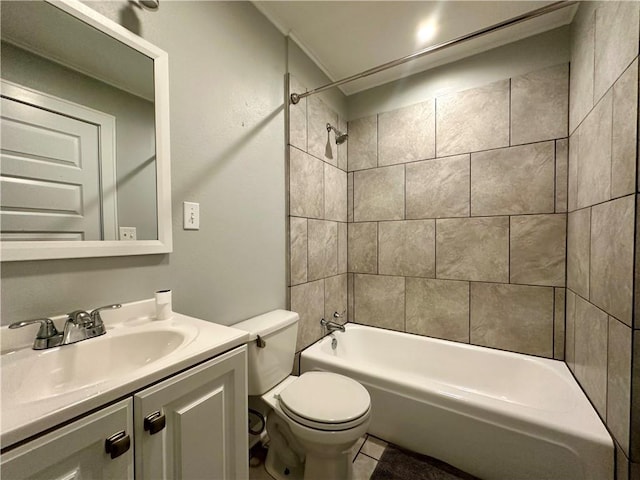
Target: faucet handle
339	315
79	317
47	328
95	313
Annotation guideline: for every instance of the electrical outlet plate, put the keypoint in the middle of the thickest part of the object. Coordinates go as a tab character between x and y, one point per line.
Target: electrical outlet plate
191	217
128	233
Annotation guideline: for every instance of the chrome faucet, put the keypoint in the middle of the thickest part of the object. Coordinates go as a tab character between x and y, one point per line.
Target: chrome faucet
332	326
79	326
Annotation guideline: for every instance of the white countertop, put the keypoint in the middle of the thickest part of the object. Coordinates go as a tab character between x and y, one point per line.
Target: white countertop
24	415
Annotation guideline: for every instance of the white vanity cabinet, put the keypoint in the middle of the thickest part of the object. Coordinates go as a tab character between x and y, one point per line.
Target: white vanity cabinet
196	428
201	420
77	450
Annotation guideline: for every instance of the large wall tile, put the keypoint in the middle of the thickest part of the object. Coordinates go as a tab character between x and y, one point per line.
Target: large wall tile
591	352
559	323
407	248
335	298
342	247
342	148
612	257
438	308
335	194
320	144
297	117
323	249
438	188
350	296
562	159
363	247
616	42
349	197
570	331
407	134
540	105
514	180
636	316
622	464
635	401
578	245
512	317
594	155
307	300
473	120
298	252
537	249
378	194
572	174
473	249
619	381
306	184
583	30
379	301
625	120
363	143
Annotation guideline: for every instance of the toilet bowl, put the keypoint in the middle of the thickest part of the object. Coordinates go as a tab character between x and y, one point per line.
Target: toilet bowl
325	413
316	418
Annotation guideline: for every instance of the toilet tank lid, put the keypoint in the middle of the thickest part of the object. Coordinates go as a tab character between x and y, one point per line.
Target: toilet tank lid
267	323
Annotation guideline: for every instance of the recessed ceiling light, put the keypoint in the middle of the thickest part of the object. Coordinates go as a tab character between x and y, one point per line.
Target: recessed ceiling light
426	31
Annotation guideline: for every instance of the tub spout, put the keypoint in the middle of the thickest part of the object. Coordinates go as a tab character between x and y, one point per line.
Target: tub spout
331	326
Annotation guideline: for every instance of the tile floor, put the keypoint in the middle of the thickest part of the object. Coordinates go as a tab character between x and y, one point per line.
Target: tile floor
365	454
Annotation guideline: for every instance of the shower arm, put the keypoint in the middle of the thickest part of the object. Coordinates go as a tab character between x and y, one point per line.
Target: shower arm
296	97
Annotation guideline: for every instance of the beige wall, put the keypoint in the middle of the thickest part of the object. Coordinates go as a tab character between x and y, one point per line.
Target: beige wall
458	215
602	216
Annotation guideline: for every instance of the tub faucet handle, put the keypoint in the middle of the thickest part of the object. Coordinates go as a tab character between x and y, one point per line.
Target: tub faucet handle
339	315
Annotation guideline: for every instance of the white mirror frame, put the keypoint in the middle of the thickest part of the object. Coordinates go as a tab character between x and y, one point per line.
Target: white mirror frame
43	250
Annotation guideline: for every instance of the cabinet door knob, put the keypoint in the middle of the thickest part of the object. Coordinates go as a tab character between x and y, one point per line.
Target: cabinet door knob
117	444
154	422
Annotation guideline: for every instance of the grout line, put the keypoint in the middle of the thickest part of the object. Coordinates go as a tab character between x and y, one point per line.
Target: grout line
451	156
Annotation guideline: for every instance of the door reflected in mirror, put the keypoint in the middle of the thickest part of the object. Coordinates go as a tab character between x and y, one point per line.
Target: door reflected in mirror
78	131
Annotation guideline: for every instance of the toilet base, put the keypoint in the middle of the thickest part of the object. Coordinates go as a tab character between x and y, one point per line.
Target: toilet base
314	468
277	468
337	467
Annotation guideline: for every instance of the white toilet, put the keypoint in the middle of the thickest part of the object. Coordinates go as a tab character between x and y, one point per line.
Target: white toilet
318	416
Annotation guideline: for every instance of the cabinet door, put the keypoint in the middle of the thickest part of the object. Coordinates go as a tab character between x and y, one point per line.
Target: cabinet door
76	451
205	416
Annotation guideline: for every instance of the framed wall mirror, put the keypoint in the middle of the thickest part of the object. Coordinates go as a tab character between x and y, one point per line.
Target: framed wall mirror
84	161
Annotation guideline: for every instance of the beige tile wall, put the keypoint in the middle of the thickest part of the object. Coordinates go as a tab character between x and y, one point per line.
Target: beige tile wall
602	219
317	198
457	215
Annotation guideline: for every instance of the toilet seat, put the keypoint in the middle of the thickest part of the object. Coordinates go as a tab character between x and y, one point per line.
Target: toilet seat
325	401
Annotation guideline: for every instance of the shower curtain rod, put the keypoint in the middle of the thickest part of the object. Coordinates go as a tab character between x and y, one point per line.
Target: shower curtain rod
296	97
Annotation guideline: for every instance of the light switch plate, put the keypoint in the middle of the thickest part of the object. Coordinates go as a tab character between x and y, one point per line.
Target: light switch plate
191	216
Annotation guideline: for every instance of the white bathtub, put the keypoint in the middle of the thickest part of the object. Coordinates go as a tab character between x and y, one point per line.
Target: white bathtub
494	414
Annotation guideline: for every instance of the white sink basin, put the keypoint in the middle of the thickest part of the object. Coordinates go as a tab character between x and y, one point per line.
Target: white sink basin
29	376
40	389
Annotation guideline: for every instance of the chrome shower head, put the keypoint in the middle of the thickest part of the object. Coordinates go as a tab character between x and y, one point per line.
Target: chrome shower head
340	137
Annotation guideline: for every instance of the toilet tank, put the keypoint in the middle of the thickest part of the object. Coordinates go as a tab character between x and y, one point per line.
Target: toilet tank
270	364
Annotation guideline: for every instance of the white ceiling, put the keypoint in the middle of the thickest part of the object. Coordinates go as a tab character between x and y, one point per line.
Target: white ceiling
348	37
